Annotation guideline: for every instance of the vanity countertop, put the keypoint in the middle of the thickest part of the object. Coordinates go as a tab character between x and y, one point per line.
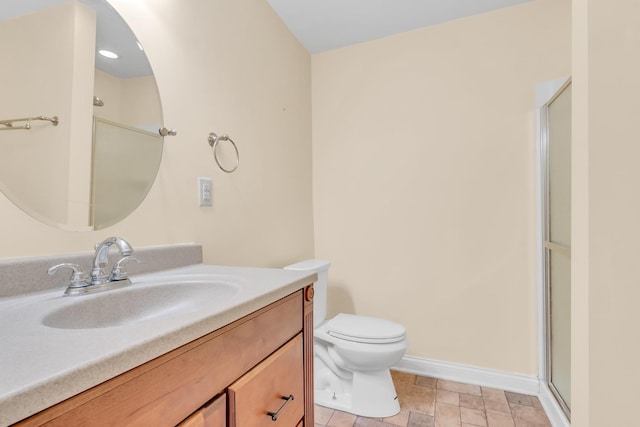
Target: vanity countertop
41	366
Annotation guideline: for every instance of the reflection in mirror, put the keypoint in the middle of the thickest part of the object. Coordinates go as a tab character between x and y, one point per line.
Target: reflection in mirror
98	164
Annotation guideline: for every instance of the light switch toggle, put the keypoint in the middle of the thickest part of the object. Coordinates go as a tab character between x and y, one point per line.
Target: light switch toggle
204	191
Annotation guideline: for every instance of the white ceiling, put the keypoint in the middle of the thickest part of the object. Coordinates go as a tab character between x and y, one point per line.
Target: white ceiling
322	25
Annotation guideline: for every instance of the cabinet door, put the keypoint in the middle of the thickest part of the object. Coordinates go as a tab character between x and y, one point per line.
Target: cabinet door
165	390
213	414
272	393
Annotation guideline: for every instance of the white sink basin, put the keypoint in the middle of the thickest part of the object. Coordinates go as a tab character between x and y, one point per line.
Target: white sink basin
56	346
140	303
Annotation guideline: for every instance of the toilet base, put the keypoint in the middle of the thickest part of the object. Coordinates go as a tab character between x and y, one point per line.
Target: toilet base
368	394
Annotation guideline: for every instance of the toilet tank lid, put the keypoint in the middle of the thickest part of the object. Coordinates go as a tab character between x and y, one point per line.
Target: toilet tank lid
309	265
365	329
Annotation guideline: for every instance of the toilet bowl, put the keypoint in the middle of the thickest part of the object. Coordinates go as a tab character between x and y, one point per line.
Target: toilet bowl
352	355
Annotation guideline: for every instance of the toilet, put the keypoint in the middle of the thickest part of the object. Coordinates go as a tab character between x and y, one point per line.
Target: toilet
352	355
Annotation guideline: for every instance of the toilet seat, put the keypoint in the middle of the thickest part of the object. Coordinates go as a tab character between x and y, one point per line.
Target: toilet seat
363	329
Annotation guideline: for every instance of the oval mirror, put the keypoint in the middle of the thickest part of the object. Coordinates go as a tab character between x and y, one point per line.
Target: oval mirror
79	141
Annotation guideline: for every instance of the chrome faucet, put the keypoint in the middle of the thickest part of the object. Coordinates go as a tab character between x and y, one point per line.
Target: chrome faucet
99	273
100	278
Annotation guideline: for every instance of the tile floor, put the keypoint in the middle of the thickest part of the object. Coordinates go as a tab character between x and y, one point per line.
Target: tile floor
430	402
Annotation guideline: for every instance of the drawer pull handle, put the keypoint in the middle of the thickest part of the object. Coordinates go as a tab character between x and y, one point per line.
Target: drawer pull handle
274	415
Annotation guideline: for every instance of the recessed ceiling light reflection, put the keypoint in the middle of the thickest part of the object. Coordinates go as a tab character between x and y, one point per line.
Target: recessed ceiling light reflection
108	54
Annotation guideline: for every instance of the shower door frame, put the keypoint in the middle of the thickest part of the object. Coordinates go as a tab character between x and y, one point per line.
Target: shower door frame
554	405
549	246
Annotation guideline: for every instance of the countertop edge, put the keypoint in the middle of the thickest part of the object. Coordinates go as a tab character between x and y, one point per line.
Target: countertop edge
28	402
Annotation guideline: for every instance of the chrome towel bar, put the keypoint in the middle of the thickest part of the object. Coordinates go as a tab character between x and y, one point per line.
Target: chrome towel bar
8	124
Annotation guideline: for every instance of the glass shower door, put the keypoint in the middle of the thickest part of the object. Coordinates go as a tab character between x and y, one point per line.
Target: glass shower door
557	245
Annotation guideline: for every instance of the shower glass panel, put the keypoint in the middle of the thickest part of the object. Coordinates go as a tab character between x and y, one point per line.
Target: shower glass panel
125	162
560	272
559	164
557	245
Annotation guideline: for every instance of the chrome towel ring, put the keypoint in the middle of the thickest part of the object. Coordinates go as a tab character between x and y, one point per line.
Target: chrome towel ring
213	142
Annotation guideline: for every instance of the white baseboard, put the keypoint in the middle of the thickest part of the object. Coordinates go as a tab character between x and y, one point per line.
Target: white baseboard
470	375
487	378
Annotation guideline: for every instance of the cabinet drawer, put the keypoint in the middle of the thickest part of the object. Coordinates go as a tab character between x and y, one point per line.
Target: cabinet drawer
213	414
263	390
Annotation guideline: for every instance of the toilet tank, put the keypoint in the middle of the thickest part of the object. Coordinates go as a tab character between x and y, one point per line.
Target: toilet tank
321	267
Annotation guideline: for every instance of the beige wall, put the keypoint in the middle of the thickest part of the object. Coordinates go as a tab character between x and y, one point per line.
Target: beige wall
229	66
140	101
133	102
423	160
109	89
606	212
35	83
81	116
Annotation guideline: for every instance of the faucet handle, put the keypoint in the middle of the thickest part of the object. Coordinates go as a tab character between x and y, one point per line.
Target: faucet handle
78	278
119	272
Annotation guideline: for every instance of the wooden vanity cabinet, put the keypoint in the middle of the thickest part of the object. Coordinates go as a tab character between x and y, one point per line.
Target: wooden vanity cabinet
213	414
272	393
231	377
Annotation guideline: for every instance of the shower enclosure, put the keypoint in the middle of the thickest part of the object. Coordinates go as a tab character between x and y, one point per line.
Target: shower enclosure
555	120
